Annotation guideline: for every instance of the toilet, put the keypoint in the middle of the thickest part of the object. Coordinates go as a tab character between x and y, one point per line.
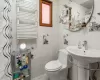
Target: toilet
58	69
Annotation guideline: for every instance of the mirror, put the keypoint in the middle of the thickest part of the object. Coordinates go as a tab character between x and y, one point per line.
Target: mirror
77	14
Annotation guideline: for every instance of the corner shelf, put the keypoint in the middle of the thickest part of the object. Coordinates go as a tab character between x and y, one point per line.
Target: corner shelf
16	72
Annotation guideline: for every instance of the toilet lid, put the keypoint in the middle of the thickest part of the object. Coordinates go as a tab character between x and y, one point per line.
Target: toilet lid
53	66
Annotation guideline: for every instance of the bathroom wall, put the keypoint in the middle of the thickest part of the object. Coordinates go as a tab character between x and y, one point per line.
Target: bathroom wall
42	53
93	38
74	37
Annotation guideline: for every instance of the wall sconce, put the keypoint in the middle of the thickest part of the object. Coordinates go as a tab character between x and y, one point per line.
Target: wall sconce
22	46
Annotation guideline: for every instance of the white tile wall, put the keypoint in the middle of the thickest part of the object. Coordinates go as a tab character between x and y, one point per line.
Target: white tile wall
43	53
93	38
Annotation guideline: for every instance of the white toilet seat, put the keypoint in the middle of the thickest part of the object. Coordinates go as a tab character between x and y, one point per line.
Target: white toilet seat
53	65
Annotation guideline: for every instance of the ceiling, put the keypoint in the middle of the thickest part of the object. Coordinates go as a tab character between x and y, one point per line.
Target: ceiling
85	3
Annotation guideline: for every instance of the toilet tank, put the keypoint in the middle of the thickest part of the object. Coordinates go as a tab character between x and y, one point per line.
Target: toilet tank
62	56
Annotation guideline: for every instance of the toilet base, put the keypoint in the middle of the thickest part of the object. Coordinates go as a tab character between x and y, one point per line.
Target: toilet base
57	75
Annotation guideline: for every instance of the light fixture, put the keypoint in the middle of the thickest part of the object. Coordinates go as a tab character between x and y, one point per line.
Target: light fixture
22	46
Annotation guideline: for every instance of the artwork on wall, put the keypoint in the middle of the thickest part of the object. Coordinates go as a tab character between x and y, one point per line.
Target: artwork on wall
65	39
45	39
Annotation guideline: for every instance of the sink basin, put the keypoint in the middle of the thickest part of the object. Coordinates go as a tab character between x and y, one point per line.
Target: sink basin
87	56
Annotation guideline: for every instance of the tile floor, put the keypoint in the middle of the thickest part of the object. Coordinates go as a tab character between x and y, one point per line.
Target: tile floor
42	77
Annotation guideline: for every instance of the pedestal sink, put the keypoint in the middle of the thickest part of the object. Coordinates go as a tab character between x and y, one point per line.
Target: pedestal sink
84	57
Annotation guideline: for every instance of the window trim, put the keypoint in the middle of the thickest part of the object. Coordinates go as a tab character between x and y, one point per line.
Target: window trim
40	14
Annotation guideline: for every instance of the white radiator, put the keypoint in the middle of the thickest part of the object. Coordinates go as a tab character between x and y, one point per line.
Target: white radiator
26	19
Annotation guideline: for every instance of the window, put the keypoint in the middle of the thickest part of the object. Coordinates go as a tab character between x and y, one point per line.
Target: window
45	13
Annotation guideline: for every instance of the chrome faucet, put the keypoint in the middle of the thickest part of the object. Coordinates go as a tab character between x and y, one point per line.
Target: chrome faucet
85	44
